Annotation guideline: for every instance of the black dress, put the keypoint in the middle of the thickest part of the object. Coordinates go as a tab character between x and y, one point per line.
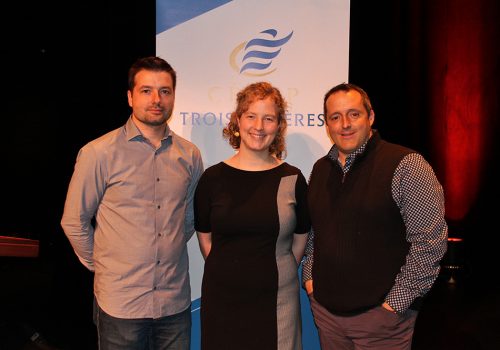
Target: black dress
250	288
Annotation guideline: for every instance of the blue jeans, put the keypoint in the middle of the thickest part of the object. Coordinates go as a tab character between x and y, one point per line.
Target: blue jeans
169	332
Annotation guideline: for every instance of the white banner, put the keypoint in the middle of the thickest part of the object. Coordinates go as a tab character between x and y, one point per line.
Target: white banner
219	47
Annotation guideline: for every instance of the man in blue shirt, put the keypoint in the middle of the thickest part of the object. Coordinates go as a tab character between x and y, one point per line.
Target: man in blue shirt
138	183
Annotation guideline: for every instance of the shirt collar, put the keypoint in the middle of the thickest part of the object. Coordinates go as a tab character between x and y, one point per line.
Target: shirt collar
132	132
333	154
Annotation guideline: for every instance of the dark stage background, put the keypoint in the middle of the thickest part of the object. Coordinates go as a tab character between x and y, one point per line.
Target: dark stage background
430	67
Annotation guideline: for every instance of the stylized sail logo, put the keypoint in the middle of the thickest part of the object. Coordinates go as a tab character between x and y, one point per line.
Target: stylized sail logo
257	54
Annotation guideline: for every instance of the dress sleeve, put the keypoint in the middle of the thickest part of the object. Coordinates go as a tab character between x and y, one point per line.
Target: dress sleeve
303	224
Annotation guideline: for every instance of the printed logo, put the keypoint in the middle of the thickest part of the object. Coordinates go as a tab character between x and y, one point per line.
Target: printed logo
257	54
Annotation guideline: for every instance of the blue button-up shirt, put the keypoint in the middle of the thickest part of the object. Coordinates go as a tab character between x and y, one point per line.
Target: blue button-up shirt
141	198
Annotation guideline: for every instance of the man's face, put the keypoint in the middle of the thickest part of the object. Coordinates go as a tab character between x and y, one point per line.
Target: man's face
152	99
348	122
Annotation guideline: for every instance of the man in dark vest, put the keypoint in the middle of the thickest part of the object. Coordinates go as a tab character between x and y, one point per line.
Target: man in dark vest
377	211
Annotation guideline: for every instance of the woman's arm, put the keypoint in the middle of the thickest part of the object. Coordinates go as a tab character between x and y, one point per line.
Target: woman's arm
205	242
298	246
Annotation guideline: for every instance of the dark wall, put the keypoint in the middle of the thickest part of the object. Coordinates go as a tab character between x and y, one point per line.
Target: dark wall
387	60
66	68
64	76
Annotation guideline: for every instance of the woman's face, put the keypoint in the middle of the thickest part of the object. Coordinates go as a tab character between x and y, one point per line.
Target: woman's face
258	126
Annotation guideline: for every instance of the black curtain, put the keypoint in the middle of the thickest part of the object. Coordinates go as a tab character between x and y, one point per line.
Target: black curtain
431	68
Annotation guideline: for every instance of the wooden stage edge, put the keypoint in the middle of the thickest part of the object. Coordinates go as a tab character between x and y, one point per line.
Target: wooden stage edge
19	247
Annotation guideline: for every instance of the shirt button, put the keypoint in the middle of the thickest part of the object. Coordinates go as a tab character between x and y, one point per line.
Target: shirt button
158	206
158	179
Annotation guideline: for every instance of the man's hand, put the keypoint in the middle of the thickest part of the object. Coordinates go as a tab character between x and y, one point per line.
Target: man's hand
388	307
309	286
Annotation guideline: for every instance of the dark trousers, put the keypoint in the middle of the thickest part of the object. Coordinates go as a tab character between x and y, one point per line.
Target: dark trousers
375	329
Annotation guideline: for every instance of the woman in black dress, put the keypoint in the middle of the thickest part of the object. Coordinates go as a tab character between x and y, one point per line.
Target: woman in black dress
252	223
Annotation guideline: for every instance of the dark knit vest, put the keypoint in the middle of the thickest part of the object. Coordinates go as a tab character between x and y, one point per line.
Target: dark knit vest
359	235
